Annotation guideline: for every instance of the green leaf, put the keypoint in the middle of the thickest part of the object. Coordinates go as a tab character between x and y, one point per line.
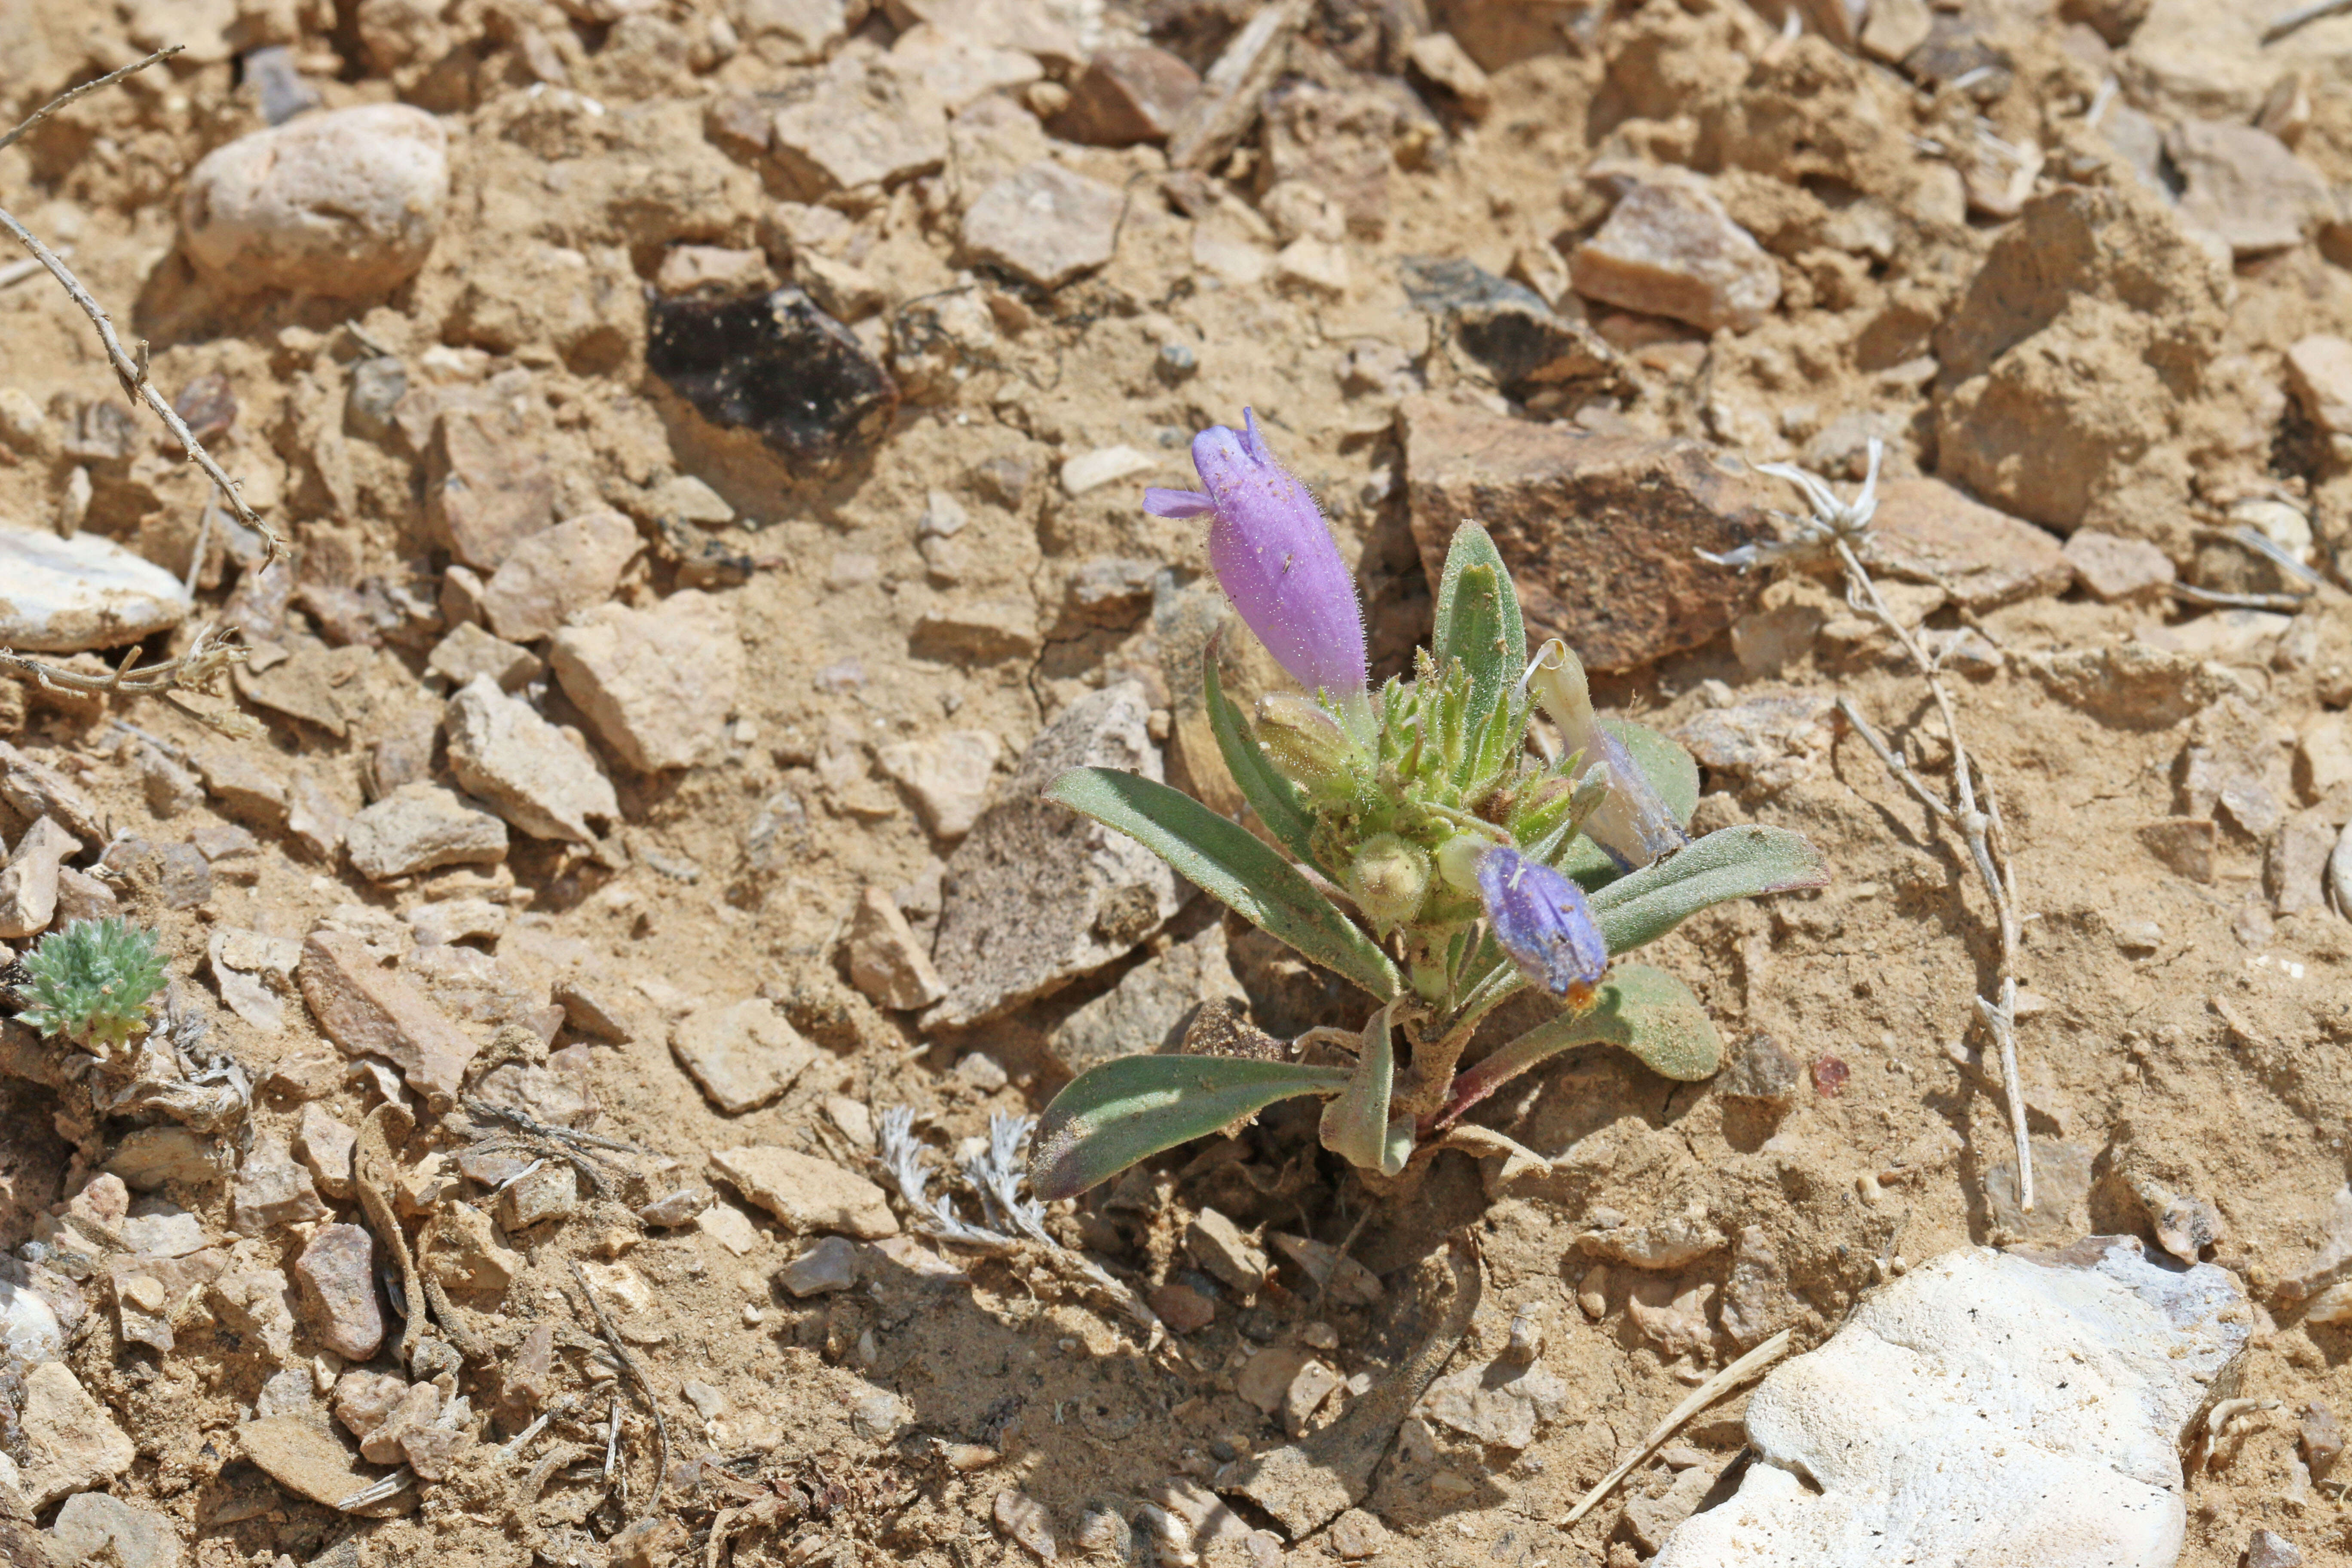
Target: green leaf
1477	623
1742	862
1356	1125
1110	1116
1639	1009
1271	795
1234	867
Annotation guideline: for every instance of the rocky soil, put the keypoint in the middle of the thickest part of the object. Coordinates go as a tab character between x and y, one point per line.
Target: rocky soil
710	437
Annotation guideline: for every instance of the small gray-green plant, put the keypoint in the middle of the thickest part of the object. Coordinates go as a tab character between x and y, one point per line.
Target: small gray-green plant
1476	870
92	983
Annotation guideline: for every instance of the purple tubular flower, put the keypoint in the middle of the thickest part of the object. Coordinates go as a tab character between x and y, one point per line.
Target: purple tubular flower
1274	557
1541	920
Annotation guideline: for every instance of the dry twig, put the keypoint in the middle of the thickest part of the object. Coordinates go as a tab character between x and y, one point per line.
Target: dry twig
212	652
636	1375
1705	1393
1841	529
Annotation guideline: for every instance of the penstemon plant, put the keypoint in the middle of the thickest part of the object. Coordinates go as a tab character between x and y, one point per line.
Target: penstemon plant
1476	870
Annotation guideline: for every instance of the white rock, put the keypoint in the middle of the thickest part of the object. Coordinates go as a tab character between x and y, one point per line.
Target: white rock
2339	872
1984	1407
340	204
948	774
65	595
1104	466
73	1444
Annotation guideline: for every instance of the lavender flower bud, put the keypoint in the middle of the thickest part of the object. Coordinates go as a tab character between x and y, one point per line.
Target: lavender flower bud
1541	920
1274	557
1388	877
1632	825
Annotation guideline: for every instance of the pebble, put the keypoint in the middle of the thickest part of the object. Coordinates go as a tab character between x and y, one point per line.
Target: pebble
986	631
2295	868
2339	869
779	367
713	269
948	774
423	828
1762	1070
2045	1396
829	1266
150	1158
1266	1376
658	685
272	1190
2268	1549
326	1146
28	883
344	203
460	1249
1356	1536
71	1444
555	574
1546	491
1150	1007
485	489
32	789
1757	1300
445	920
807	1192
502	752
69	595
1444	62
1505	325
885	960
1091	470
1671	250
1127	96
1031	898
169	789
1219	1246
2319	373
369	1010
1044	224
337	1273
96	1526
550	1192
2115	570
1184	1310
742	1054
1025	1518
1670	1315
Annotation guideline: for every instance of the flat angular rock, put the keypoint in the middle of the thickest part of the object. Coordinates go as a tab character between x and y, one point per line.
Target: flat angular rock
2244	184
1150	1008
830	1266
1509	328
1127	95
28	882
95	1527
949	776
792	32
1498	1404
71	1443
469	651
2133	685
885	960
1044	224
658	685
505	754
2319	370
344	203
1671	250
2022	1407
859	130
423	828
369	1010
67	595
557	572
2115	568
806	1193
310	1460
1927	531
326	1146
778	367
336	1270
743	1054
486	489
1601	532
1036	894
271	1189
985	631
33	788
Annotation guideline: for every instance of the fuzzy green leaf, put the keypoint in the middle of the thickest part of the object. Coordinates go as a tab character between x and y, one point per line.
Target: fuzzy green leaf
1639	1009
1233	866
1271	795
1477	623
1113	1115
1356	1125
1742	862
